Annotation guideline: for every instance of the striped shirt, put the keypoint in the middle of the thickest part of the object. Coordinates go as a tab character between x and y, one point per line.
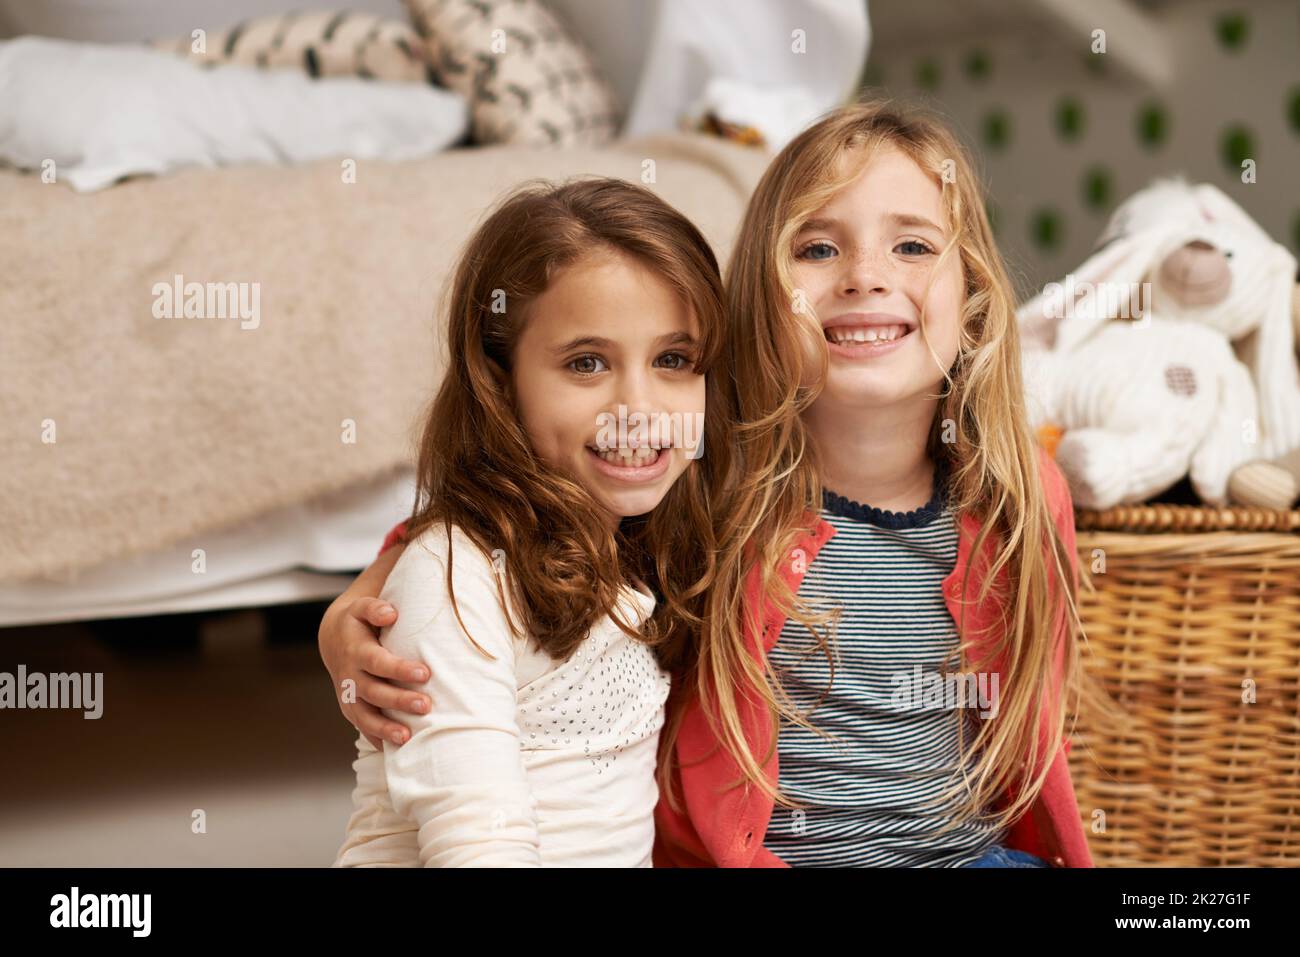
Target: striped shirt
865	793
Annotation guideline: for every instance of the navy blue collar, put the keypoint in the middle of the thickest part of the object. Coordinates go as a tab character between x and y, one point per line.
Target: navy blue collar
847	508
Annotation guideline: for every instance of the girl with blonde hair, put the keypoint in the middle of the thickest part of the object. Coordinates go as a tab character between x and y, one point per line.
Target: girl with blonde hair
875	356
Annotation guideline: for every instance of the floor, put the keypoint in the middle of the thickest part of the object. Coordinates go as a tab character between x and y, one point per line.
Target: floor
219	745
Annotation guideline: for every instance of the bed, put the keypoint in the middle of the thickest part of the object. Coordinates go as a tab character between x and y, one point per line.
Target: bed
254	449
156	465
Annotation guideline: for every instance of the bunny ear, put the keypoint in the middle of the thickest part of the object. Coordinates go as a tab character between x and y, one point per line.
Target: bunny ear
1216	206
1271	359
1136	237
1270	353
1102	285
1050	319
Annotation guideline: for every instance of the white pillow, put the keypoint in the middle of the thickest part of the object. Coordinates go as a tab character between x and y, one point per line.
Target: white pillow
101	112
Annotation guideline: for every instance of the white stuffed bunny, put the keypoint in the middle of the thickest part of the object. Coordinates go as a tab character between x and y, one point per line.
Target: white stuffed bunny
1142	404
1170	351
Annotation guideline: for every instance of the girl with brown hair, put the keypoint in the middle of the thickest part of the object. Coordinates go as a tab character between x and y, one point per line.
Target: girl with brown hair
558	551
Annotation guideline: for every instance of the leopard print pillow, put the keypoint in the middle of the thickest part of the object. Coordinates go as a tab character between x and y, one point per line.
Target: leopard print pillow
324	43
528	80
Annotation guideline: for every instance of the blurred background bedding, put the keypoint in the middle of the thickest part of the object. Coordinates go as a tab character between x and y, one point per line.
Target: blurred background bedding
171	445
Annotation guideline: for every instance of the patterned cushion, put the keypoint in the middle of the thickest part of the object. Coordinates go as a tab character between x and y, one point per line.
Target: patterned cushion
324	43
528	80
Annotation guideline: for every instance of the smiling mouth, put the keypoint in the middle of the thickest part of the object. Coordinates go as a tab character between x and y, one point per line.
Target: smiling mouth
629	458
855	335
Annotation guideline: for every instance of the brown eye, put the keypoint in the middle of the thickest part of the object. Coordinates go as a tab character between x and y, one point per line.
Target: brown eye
586	365
682	361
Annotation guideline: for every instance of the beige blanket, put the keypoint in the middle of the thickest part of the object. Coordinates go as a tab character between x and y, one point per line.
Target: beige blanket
123	431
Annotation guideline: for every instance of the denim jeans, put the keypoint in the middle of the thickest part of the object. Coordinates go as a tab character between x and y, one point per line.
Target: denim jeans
999	856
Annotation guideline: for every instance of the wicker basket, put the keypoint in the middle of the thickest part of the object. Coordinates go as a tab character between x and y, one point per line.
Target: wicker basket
1194	609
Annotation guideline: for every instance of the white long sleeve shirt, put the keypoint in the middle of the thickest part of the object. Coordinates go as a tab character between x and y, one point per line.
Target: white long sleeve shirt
522	760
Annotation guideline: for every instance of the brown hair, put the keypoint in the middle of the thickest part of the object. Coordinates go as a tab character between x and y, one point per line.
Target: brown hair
477	469
989	454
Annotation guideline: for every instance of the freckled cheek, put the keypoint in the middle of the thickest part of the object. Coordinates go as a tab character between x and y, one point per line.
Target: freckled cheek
814	293
813	301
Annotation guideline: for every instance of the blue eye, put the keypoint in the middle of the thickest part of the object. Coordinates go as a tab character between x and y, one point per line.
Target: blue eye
921	249
585	359
816	244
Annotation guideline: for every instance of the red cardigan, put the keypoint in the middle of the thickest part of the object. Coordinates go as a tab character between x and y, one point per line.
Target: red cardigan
724	827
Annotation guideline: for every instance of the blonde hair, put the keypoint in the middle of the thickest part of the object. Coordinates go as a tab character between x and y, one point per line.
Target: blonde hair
990	458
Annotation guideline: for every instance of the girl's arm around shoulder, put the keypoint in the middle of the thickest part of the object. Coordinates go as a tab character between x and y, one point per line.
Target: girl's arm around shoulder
460	777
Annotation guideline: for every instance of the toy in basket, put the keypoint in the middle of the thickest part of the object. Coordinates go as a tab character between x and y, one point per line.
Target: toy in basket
1171	352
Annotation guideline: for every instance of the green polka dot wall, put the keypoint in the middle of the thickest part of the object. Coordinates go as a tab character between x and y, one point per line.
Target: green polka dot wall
1098	188
1046	229
978	66
1232	30
1069	119
1152	125
1099	184
1236	145
997	129
928	75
